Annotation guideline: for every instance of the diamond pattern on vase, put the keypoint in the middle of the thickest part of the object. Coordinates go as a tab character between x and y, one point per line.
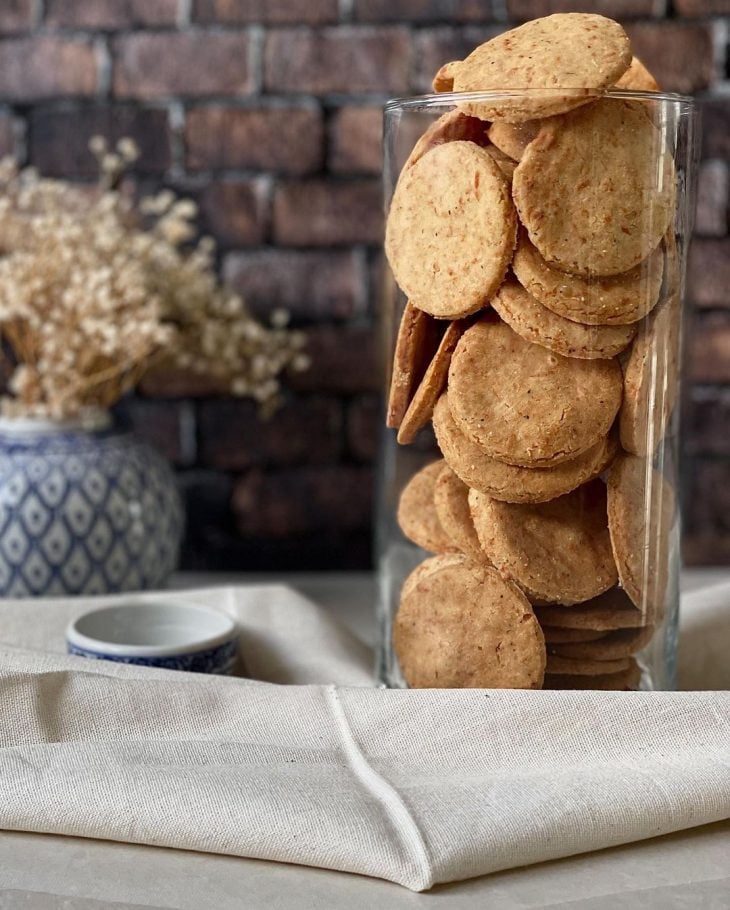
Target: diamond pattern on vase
85	513
34	515
56	543
15	543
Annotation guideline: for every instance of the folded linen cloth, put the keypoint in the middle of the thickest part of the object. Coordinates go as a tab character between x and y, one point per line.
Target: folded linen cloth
415	787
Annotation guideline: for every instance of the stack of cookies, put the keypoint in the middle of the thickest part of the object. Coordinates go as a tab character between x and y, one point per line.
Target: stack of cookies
532	233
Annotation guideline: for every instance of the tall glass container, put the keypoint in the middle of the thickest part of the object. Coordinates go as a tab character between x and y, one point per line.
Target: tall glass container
528	526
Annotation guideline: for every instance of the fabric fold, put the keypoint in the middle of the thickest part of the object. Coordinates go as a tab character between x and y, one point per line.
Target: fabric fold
334	776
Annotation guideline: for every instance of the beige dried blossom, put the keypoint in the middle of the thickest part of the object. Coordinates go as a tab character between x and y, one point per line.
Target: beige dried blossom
95	290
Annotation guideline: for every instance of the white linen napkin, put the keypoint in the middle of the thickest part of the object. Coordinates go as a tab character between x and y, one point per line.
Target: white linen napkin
416	787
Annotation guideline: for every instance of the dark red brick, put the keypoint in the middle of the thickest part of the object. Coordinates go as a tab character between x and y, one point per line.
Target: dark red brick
58	139
356	140
235	211
169	382
343	359
310	12
707	512
709	273
192	63
702	7
712	199
422	10
346	59
680	55
364	420
311	285
7	134
716	128
304	431
706	423
289	140
304	501
47	67
16	15
110	14
709	349
615	9
328	213
159	424
435	46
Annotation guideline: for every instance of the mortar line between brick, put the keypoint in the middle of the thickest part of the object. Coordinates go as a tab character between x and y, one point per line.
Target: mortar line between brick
256	37
37	13
104	59
184	13
176	121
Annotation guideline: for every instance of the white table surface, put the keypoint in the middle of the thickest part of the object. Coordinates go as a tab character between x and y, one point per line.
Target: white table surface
690	869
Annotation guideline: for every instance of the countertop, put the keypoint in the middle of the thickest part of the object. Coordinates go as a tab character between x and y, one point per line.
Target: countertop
46	872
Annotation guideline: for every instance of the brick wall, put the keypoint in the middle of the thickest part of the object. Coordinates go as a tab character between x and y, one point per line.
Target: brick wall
268	113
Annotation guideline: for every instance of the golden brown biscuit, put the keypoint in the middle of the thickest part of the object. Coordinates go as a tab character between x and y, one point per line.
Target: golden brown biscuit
573	54
513	138
554	635
637	492
417	514
622	643
511	483
454	126
637	78
588	191
617	300
417	340
431	385
443	81
463	626
539	325
451	498
451	230
557	552
574	667
651	380
612	610
627	679
525	405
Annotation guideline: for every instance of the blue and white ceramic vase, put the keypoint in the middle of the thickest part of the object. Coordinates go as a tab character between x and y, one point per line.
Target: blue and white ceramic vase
84	509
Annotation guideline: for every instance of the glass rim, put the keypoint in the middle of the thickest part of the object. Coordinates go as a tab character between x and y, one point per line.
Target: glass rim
439	99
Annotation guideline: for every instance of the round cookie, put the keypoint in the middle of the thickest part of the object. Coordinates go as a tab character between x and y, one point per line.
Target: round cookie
557	552
463	626
509	482
453	126
554	635
588	192
417	514
451	498
622	643
539	325
431	385
574	667
513	138
451	230
612	610
417	340
636	490
651	380
628	679
617	300
575	55
637	78
443	81
525	405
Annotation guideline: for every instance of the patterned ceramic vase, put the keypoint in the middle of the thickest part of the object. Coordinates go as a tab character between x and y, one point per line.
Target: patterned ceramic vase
83	510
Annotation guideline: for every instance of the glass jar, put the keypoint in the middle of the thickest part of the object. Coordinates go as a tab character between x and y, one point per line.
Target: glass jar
532	318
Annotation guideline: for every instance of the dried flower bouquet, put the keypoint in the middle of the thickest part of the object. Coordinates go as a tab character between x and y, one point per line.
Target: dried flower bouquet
96	289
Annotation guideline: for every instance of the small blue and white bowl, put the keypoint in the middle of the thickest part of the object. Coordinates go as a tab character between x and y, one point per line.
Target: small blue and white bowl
169	636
